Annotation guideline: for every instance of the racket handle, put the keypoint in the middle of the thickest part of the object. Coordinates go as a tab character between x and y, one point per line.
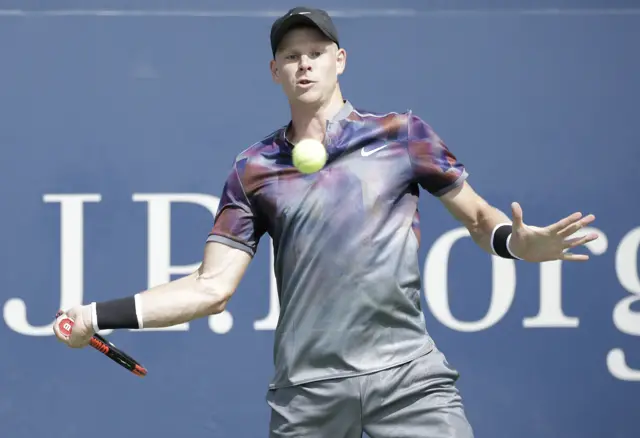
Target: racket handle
118	356
105	347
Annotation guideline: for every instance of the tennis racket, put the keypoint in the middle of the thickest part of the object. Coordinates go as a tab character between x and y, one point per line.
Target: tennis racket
107	348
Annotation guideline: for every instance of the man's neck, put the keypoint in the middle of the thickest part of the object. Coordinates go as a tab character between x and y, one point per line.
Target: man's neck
310	121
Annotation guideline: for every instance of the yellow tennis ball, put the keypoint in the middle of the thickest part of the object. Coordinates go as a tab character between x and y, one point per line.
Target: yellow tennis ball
309	156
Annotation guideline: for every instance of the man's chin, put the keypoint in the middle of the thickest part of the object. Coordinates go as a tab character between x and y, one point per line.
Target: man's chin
308	98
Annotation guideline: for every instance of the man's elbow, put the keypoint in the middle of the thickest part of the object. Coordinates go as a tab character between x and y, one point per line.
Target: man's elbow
218	300
215	295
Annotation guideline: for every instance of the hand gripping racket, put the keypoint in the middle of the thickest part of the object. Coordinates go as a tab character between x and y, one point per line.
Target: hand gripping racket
107	348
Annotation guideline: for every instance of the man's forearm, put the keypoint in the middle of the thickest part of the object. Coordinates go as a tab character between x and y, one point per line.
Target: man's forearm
482	229
182	300
480	218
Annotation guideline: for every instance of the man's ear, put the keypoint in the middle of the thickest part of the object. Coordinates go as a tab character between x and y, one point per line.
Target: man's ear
341	60
274	71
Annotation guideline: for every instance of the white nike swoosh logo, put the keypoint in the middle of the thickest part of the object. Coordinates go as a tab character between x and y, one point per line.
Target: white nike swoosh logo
372	151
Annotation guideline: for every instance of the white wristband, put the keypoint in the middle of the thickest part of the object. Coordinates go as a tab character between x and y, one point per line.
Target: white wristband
509	248
94	318
138	301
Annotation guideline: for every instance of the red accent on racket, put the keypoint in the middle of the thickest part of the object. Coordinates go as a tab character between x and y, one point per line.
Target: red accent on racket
107	348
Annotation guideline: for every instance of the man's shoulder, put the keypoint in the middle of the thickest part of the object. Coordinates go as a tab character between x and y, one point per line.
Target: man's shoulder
268	144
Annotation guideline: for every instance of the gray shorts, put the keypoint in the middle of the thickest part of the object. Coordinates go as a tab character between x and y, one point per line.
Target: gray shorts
416	400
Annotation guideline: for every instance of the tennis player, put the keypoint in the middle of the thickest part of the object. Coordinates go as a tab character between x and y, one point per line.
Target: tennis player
352	352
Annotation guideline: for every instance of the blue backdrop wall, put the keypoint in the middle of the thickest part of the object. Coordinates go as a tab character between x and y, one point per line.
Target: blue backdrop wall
119	121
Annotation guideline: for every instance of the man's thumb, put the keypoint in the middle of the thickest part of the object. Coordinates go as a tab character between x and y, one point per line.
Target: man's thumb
517	216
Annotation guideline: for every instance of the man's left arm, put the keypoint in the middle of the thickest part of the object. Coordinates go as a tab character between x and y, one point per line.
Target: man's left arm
494	232
436	169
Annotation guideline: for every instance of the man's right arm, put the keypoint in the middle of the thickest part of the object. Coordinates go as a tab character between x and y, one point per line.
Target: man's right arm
230	247
202	293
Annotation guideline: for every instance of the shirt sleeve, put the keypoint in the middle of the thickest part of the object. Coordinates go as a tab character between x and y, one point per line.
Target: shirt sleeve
236	222
435	168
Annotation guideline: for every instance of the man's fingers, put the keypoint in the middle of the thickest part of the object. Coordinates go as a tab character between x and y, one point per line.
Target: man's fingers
581	240
564	223
576	226
569	257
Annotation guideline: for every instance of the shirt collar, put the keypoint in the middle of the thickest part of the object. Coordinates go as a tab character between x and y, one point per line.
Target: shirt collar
342	114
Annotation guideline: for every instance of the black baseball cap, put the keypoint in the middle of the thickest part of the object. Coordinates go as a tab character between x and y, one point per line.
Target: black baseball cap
302	15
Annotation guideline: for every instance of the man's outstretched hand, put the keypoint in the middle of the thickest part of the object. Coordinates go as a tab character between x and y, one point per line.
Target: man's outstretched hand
535	244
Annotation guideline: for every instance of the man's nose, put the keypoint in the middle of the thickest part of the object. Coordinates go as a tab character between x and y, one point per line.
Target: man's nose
305	64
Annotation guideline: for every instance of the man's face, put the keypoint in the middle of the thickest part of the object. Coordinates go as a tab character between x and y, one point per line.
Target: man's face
307	66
